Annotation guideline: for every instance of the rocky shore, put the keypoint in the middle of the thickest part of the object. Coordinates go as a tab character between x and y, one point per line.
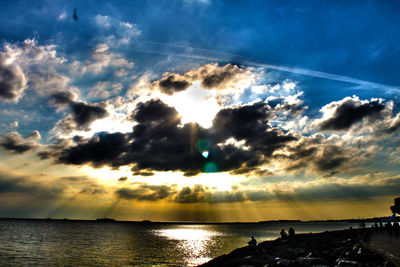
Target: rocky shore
333	248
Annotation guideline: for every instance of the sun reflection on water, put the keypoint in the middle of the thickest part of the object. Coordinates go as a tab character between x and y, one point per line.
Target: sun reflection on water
193	241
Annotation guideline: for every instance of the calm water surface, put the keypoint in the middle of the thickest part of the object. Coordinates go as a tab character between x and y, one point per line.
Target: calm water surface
75	243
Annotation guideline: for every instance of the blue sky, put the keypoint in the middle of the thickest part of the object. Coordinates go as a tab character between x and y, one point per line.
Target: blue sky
293	98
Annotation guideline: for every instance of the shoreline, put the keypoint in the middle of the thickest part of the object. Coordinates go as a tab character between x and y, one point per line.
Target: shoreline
112	220
348	247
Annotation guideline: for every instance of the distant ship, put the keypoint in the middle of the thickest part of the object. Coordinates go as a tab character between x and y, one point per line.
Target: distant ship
105	220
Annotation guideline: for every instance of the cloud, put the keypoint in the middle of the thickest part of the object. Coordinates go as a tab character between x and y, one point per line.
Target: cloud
159	142
393	124
190	194
228	79
116	32
36	66
100	150
12	79
201	194
171	84
82	185
84	114
317	154
347	112
339	190
250	123
105	90
35	135
145	192
11	184
15	143
155	111
62	98
102	60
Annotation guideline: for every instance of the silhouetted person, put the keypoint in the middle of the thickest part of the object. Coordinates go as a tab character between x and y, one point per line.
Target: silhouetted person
376	226
396	228
283	234
291	232
388	228
252	242
380	226
75	14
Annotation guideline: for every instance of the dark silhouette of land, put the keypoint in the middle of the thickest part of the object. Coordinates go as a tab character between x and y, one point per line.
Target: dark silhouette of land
352	247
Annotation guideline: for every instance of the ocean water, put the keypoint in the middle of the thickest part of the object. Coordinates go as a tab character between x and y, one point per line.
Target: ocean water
90	243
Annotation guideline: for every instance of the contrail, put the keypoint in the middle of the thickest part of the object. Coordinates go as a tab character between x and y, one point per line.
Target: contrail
326	75
223	56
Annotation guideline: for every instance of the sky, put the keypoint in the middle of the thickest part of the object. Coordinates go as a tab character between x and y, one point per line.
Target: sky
199	110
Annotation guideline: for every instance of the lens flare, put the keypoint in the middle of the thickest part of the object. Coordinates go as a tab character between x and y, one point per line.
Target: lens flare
210	167
205	154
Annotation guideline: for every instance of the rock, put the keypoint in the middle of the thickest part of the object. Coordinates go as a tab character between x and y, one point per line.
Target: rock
311	261
284	262
346	263
290	253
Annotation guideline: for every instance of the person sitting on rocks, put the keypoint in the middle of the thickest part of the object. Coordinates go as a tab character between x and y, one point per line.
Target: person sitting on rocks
252	242
291	232
283	234
396	228
376	226
388	227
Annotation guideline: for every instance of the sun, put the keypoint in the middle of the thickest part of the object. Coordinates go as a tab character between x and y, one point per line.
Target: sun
195	104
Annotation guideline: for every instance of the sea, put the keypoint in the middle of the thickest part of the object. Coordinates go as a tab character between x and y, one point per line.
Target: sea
96	243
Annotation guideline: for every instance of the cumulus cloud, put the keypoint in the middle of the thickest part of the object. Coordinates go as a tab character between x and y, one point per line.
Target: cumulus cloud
159	142
62	98
37	66
343	114
228	79
12	79
171	84
84	114
15	143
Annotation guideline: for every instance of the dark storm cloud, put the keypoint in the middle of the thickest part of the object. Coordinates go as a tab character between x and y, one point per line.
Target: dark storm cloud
145	192
84	114
102	149
62	98
350	112
54	150
155	111
160	143
15	143
172	84
250	123
12	80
